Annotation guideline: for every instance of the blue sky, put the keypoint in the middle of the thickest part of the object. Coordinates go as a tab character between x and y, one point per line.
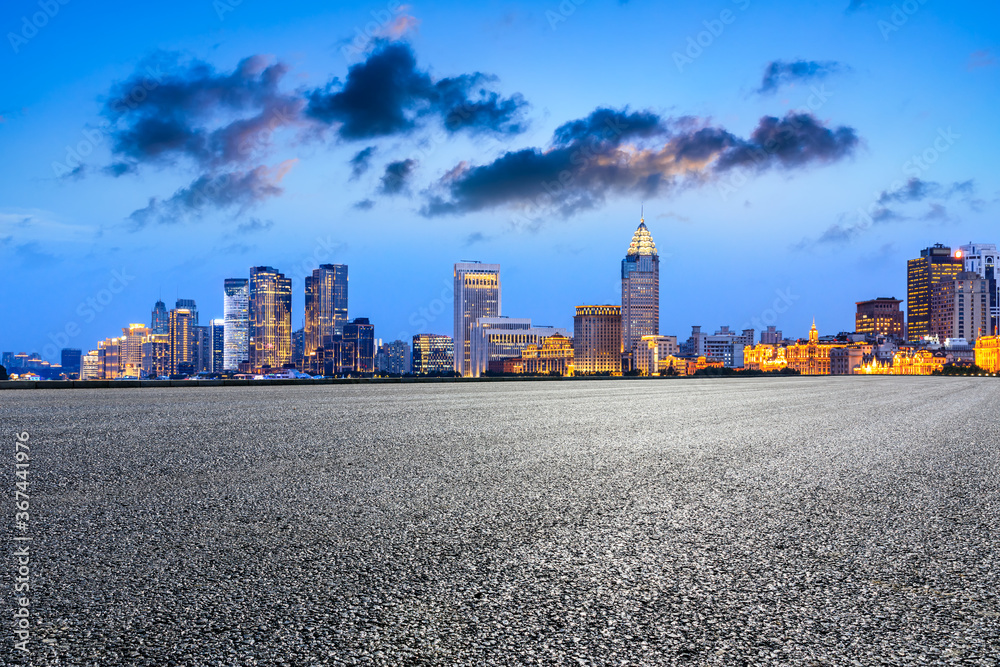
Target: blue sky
858	92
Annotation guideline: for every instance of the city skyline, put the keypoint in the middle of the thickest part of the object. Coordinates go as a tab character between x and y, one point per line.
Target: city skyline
908	156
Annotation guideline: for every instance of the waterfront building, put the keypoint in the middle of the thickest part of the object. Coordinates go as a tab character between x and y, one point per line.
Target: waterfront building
651	354
270	305
156	355
880	317
477	294
180	338
934	266
218	329
90	366
812	357
236	314
770	336
960	308
988	353
983	259
597	339
494	339
325	305
906	362
109	352
640	290
433	354
553	356
71	363
394	358
360	335
159	320
843	360
131	349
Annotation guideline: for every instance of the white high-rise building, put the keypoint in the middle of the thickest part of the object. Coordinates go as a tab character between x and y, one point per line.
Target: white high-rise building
640	290
984	259
499	338
477	294
236	325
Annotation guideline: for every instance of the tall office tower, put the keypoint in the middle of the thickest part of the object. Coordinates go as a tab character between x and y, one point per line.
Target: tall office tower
70	363
218	345
160	321
270	317
326	305
640	290
109	351
984	260
960	308
180	337
201	354
298	347
597	339
360	335
433	354
935	265
770	337
131	349
188	304
494	339
395	357
156	355
236	312
880	317
477	294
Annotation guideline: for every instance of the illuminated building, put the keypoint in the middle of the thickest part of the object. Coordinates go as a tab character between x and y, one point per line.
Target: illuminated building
880	317
394	358
156	355
960	308
360	335
650	350
920	362
191	306
984	260
270	318
494	339
640	290
217	331
988	353
180	337
477	294
109	353
201	354
236	313
764	357
131	349
597	339
70	360
934	266
160	320
326	305
811	358
553	356
433	354
771	336
728	346
90	366
298	347
843	360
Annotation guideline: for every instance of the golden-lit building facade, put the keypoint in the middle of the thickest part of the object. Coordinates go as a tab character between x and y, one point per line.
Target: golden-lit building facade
905	362
270	318
109	353
640	290
988	353
880	317
180	337
597	339
477	294
935	265
766	358
649	350
131	349
325	305
156	355
811	358
554	356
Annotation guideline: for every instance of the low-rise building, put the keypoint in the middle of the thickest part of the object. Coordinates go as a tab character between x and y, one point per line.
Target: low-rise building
988	353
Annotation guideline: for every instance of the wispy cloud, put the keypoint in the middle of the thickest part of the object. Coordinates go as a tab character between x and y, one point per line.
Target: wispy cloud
780	73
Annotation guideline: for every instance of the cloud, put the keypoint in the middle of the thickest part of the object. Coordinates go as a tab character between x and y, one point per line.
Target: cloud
936	213
779	73
238	189
168	110
397	176
364	205
979	59
915	190
474	238
254	225
361	162
387	95
633	153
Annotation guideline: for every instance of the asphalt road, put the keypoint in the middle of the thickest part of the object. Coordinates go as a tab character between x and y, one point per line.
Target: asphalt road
826	521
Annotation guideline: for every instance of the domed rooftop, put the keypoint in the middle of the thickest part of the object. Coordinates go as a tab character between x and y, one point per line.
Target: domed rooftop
642	241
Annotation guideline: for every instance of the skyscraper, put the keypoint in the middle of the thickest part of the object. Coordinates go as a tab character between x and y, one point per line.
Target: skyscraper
433	354
218	345
181	336
131	349
236	313
880	317
270	317
160	320
597	339
935	265
70	362
984	260
326	305
640	290
190	305
477	294
359	334
960	308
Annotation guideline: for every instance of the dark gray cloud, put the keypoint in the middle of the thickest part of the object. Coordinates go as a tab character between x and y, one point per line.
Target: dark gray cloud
387	94
169	110
361	162
397	176
623	152
240	190
779	73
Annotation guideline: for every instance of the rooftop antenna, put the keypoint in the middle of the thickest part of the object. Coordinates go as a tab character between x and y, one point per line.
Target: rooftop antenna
642	212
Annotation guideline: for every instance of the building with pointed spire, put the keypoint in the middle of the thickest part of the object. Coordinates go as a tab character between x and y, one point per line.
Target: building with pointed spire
640	291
